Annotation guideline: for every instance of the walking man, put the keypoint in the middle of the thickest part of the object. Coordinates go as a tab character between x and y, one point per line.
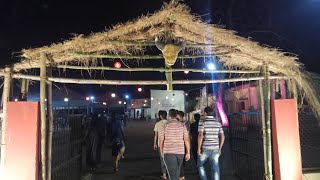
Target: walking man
174	144
156	141
194	137
210	142
180	118
118	138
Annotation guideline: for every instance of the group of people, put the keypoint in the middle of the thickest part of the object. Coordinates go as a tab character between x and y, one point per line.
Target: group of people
175	138
103	129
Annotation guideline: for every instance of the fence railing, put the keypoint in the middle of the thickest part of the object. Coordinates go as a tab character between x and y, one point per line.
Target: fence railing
245	131
309	128
67	150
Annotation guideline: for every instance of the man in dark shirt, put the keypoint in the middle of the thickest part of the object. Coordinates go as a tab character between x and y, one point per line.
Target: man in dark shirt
194	136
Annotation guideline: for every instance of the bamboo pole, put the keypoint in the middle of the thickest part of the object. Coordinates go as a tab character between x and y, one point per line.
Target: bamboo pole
5	99
289	86
157	82
50	125
145	57
155	69
267	93
130	43
169	80
43	79
294	89
263	118
24	89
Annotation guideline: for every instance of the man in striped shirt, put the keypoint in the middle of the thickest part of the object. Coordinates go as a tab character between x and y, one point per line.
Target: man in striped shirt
174	140
210	142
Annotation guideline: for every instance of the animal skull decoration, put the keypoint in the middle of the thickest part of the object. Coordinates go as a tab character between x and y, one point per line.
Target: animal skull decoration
170	51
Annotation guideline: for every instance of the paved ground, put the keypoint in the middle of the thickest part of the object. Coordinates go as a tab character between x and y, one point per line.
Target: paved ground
142	163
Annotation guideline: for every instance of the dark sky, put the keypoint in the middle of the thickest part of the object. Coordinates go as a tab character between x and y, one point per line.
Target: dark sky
292	25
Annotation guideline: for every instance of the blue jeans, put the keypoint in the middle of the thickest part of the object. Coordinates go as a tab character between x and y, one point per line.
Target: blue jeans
213	157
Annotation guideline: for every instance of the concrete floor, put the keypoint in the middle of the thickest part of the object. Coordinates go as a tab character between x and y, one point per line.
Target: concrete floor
142	162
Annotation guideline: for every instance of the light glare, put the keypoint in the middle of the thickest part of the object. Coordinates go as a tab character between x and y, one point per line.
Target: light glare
211	66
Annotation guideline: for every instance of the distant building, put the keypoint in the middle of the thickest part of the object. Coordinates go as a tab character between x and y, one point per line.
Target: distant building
68	101
244	98
140	108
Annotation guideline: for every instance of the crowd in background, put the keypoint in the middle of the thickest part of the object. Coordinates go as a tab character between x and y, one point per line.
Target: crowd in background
108	130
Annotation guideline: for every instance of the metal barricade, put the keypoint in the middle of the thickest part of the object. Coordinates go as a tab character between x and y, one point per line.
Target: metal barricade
309	128
67	147
245	131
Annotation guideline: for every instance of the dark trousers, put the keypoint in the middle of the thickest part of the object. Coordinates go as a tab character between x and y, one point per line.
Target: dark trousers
182	168
173	163
194	149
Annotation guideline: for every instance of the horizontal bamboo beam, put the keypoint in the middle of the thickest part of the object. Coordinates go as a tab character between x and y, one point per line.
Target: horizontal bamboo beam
146	57
129	43
155	69
142	82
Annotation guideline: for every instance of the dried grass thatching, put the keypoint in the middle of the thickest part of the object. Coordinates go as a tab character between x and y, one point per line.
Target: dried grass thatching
174	20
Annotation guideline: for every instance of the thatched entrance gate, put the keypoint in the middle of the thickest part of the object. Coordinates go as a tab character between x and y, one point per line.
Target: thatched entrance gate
178	35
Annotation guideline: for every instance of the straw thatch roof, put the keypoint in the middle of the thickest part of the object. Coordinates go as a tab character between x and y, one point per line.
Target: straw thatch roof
174	20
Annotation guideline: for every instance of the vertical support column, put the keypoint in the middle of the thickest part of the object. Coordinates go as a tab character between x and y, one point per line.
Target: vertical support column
43	79
268	122
24	89
294	89
50	125
169	80
263	118
5	99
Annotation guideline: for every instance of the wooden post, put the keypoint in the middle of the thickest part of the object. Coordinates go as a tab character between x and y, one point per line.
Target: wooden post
43	79
263	118
50	125
24	89
169	80
289	86
5	99
267	92
294	89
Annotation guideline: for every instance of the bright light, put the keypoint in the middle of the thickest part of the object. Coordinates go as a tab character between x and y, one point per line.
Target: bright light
104	103
144	104
124	102
15	100
87	98
211	66
131	104
145	101
45	99
66	99
113	95
126	96
120	102
159	103
172	99
167	97
139	89
92	97
187	94
152	98
186	72
117	65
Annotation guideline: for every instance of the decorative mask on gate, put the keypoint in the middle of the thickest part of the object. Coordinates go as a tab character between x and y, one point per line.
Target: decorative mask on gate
170	51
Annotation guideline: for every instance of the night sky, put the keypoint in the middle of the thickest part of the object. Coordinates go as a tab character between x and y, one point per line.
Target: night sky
291	25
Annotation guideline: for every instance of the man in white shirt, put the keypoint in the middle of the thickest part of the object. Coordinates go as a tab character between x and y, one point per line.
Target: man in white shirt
159	125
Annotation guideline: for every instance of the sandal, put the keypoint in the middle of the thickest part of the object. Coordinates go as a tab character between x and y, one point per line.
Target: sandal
163	177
